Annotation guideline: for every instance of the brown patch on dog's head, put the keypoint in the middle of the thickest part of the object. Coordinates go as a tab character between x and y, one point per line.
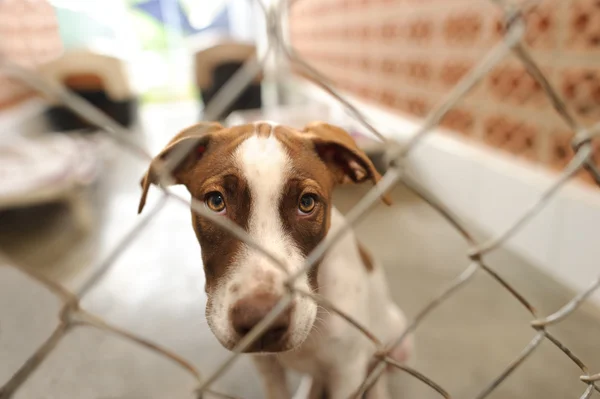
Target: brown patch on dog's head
195	138
311	176
204	169
348	163
323	155
263	129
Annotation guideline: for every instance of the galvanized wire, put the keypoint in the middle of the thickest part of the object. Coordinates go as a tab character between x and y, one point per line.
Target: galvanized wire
71	315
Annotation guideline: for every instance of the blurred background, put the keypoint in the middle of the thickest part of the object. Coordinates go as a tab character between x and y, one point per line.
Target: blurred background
69	192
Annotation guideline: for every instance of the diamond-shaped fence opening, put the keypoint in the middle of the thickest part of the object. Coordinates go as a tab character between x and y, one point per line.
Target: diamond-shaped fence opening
514	41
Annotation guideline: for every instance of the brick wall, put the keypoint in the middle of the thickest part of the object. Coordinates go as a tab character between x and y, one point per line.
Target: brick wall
29	35
405	55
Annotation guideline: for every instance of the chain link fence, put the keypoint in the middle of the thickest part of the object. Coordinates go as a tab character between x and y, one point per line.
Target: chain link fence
72	315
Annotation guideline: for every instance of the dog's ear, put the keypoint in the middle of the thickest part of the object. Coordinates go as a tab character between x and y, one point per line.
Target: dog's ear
200	133
347	162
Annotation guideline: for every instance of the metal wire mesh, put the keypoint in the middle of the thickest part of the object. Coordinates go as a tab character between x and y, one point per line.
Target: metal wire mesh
72	315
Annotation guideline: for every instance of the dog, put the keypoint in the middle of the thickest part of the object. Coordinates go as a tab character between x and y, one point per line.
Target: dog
276	183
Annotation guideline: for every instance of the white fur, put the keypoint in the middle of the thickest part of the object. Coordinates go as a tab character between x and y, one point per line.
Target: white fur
266	167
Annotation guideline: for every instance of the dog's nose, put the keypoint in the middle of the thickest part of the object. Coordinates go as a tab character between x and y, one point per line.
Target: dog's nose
248	312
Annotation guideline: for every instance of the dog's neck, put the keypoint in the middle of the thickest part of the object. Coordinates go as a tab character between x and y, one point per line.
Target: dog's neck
343	247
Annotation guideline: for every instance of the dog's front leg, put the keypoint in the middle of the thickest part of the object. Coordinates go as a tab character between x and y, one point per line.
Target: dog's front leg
345	379
380	389
273	377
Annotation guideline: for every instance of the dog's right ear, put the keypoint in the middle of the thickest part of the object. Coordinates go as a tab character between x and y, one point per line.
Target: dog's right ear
200	133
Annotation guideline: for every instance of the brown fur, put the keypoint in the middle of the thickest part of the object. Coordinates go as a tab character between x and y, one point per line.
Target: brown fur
339	151
215	173
263	129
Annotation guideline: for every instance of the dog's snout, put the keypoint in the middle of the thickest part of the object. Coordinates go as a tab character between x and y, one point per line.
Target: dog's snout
247	312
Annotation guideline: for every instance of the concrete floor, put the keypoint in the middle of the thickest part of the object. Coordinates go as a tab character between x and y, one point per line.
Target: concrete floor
156	290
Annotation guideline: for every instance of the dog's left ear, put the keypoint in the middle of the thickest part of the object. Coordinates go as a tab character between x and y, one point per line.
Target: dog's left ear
347	162
200	134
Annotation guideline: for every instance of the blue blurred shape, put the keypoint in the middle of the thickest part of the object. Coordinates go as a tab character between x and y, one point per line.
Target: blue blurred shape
179	20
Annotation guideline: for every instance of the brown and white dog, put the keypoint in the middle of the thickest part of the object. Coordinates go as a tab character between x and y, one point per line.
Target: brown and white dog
276	183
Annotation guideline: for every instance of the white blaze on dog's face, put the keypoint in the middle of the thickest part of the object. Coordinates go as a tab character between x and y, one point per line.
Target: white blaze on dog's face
275	182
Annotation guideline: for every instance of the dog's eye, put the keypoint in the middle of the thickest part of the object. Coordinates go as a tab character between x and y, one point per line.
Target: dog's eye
215	202
306	204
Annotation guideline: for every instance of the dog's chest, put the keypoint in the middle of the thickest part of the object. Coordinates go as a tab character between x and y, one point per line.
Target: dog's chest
319	352
307	358
333	340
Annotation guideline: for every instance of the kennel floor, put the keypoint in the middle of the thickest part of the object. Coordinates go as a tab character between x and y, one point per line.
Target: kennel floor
155	290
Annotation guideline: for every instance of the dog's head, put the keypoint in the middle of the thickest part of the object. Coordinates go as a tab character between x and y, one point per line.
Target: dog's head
276	183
